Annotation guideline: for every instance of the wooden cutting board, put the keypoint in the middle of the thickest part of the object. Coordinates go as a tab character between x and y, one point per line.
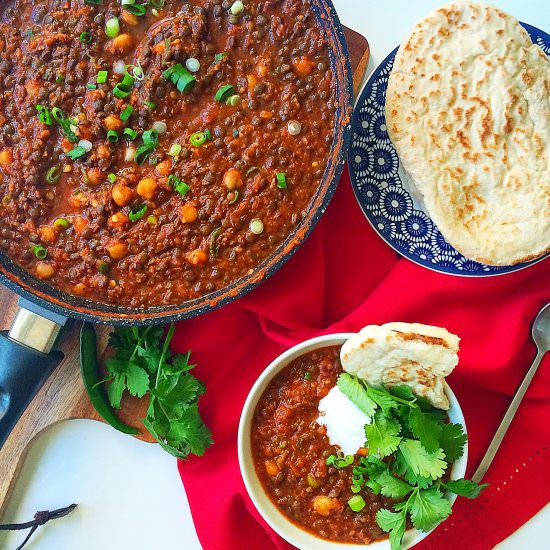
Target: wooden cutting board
63	396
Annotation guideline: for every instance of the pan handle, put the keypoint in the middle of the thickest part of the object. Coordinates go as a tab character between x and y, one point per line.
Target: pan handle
22	373
25	363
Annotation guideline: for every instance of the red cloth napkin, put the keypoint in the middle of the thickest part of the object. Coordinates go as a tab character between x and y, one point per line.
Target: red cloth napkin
343	278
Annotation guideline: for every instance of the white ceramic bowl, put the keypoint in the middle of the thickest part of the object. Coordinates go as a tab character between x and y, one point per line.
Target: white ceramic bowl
271	514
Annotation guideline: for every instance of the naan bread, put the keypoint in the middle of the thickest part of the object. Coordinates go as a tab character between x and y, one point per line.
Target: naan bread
468	110
398	354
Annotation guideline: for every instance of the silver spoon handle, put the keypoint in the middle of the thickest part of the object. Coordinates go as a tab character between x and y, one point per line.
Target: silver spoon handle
507	420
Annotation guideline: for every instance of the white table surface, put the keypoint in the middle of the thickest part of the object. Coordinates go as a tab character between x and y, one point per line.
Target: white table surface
129	493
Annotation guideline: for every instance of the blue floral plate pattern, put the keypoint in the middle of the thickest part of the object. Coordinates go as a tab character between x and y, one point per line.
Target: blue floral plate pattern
382	188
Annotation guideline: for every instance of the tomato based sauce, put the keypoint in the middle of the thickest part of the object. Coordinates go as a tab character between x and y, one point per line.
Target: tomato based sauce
158	189
290	450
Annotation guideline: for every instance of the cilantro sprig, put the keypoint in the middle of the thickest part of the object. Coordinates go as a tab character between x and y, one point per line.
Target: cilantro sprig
410	447
143	366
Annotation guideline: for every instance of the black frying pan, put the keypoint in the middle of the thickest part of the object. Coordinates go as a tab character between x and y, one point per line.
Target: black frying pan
26	359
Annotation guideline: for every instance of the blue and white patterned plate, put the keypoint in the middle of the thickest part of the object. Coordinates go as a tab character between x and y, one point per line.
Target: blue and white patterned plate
383	191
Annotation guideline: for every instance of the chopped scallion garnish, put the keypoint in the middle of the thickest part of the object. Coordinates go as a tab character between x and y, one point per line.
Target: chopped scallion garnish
135	215
76	153
224	92
85	37
102	77
126	112
179	76
53	175
175	150
39	251
197	139
112	27
136	9
149	104
281	180
91	86
65	124
177	185
130	133
61	222
44	115
112	136
111	178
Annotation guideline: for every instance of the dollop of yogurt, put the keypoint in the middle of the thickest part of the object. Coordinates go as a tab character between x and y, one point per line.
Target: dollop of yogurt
345	422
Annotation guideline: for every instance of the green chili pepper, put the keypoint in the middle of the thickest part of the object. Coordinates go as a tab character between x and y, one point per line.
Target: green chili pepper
92	381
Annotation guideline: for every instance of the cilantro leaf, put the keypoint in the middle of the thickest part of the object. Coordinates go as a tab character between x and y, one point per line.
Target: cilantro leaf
464	487
137	380
189	430
420	462
382	435
394	523
403	392
383	399
452	441
426	428
392	486
429	507
356	393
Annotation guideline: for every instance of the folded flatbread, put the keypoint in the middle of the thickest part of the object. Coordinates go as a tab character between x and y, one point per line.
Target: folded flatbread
395	354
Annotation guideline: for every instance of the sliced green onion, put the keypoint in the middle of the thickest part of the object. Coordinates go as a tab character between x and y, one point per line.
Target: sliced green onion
135	71
237	8
208	134
128	79
91	86
233	100
281	180
53	174
44	115
120	92
150	138
125	2
175	150
224	92
179	76
149	104
155	12
197	139
136	9
85	37
65	124
39	251
111	177
220	56
60	78
112	136
93	2
235	197
130	134
152	220
193	65
126	112
135	215
103	267
213	241
256	226
76	153
61	222
102	77
179	186
357	503
142	154
157	3
112	27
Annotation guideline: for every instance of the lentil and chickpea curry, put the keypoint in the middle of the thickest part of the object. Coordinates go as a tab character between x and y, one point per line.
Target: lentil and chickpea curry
153	153
290	451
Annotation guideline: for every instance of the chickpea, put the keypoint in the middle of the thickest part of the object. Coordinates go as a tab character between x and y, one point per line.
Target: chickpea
103	151
232	179
44	270
32	88
164	168
122	195
147	188
129	18
79	224
79	289
112	122
66	145
47	234
6	157
188	213
303	66
271	468
95	176
118	219
325	505
121	44
197	257
117	251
